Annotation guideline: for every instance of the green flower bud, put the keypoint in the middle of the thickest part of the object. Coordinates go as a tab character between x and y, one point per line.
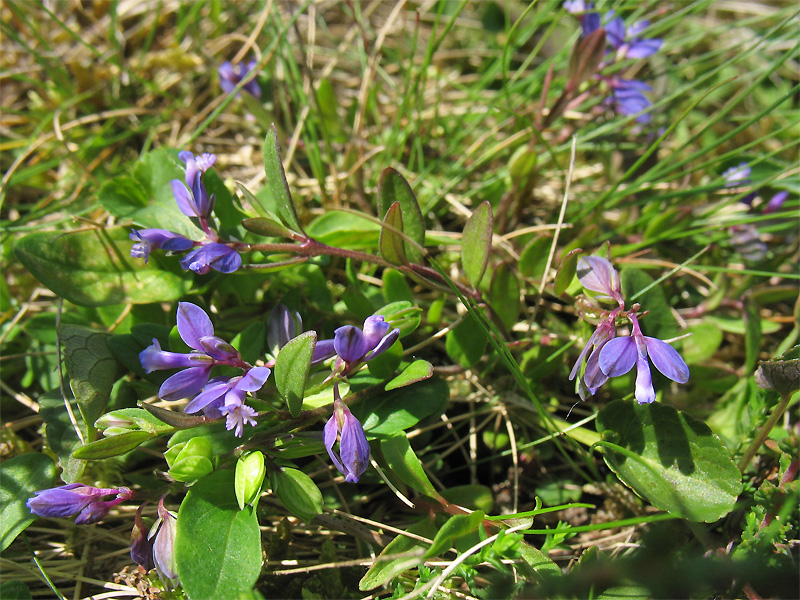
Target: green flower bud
190	460
250	472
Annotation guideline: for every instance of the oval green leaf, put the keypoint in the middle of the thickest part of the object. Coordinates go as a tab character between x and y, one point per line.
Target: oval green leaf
277	186
391	239
476	243
416	371
504	295
291	369
298	492
669	458
20	477
394	188
404	464
115	445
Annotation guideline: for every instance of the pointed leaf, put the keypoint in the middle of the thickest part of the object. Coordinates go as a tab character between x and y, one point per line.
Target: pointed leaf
476	243
178	420
391	240
416	371
291	369
566	271
277	185
455	527
403	462
533	258
115	445
392	188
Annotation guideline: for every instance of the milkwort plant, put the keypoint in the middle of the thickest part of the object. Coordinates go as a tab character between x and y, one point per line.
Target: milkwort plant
281	365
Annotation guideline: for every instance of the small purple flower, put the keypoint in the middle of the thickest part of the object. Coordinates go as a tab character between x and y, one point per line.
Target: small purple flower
353	456
737	176
77	499
196	164
162	536
149	239
225	396
593	376
196	330
230	76
598	275
141	547
214	255
629	99
353	344
620	354
194	203
627	41
775	202
282	326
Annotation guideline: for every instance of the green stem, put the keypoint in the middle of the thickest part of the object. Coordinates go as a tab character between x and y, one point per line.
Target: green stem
763	434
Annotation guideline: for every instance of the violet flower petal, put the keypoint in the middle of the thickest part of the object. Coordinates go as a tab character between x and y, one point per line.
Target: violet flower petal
349	343
185	384
254	379
193	325
645	394
618	356
218	349
384	344
153	358
375	328
667	360
598	275
183	198
329	434
353	447
214	390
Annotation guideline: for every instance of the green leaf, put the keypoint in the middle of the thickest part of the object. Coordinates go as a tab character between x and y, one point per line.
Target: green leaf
383	571
416	371
60	433
391	239
395	288
403	315
20	477
566	271
522	169
659	322
402	408
533	258
404	464
669	458
115	445
393	188
291	369
466	342
94	268
703	342
345	230
91	367
217	546
267	227
476	243
455	527
539	564
474	497
15	590
752	334
504	295
277	186
298	492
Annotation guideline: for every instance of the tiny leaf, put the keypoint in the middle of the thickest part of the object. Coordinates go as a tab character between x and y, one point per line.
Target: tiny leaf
393	188
455	527
391	239
416	371
566	271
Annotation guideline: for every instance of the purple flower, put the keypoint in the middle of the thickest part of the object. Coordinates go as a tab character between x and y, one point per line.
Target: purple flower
149	239
196	164
353	456
620	354
230	76
196	330
598	275
590	21
737	176
627	41
141	548
593	376
225	396
775	202
353	344
195	202
214	255
629	99
163	539
77	499
282	326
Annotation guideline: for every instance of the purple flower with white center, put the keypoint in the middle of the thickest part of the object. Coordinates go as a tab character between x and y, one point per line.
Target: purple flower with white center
194	203
162	536
620	354
353	344
353	455
149	239
627	41
629	99
598	275
230	76
214	255
196	330
77	499
196	164
225	396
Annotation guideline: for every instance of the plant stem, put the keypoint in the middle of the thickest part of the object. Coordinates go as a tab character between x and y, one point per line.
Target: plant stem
763	434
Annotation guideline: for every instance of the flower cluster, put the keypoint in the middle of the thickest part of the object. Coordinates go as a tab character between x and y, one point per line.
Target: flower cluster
193	201
607	355
78	499
217	397
627	95
745	237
